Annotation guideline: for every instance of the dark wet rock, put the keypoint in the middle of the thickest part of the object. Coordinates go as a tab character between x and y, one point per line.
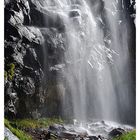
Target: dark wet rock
32	34
116	132
16	18
10	100
25	79
18	58
11	33
70	132
93	138
26	84
54	38
61	131
25	33
101	137
36	47
42	17
38	133
68	135
56	128
31	60
17	11
74	13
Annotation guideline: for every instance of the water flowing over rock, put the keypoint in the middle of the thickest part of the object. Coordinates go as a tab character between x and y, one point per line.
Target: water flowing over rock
88	131
96	52
70	58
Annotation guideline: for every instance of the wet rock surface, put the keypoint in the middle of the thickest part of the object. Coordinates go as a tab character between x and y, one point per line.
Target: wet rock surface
116	132
32	57
86	131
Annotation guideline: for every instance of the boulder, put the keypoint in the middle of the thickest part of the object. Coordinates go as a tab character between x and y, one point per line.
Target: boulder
116	132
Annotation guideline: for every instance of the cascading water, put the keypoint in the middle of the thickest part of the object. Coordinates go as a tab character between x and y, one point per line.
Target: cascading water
97	69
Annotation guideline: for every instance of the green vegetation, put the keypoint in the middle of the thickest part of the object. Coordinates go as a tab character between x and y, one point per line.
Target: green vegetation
9	74
20	134
128	136
18	126
35	123
11	71
5	75
5	138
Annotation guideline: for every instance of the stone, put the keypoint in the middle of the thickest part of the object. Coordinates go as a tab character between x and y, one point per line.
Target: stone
56	127
32	34
39	14
116	132
93	138
9	135
27	85
17	18
74	13
67	135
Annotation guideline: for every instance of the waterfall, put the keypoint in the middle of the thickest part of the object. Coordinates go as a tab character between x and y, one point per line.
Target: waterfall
97	69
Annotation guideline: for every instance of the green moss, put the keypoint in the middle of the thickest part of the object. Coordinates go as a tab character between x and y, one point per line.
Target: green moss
20	134
12	66
10	72
5	75
128	136
35	123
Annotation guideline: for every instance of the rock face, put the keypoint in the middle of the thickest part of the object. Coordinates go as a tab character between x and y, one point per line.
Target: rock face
32	51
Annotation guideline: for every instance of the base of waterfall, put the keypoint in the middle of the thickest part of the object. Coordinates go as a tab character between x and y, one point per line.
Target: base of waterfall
101	130
58	129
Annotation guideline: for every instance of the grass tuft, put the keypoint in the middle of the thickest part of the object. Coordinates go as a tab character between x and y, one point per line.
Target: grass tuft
128	136
35	123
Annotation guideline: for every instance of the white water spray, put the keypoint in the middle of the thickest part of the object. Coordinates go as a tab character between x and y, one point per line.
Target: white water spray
96	56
